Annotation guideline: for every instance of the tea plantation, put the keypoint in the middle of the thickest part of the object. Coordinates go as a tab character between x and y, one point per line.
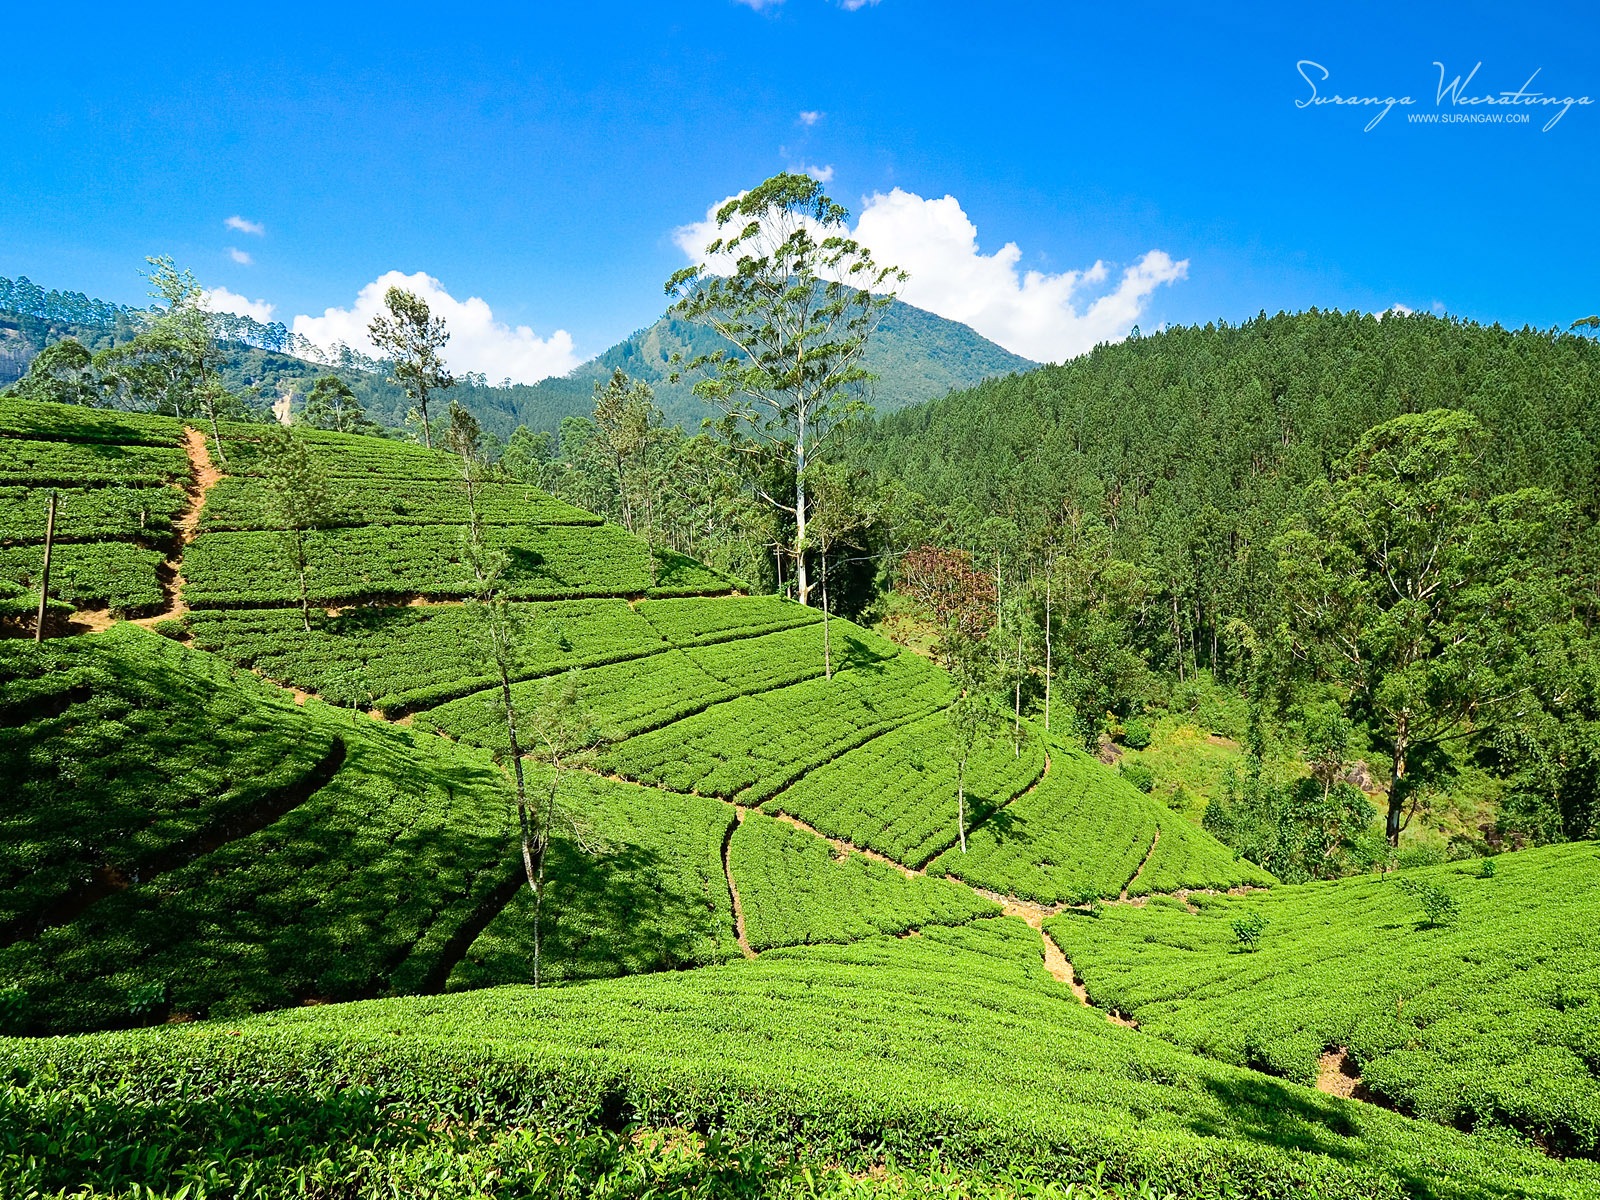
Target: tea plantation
1484	1017
268	881
955	1039
119	480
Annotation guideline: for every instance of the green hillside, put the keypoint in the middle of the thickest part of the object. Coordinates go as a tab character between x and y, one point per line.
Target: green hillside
296	851
1478	1018
916	355
1190	447
956	1038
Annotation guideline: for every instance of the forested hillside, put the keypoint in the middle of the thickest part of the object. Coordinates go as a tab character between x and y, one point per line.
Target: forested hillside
1255	505
1191	444
914	356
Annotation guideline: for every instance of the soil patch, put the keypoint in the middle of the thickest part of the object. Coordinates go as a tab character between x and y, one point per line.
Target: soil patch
733	890
1337	1075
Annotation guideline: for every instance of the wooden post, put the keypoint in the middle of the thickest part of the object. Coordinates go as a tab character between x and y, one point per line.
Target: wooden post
44	577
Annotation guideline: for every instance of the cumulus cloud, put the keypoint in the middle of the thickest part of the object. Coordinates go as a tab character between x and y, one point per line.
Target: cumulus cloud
240	225
1396	308
242	257
1045	317
821	174
810	117
223	301
857	5
477	341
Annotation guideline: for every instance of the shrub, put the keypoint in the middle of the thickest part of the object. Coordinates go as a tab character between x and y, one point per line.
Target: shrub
1136	734
1247	930
1439	907
146	998
1141	776
13	1009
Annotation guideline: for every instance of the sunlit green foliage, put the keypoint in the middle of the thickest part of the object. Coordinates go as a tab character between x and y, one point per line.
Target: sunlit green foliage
795	892
1484	1020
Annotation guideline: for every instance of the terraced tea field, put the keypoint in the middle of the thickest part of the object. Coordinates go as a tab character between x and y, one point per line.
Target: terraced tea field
756	880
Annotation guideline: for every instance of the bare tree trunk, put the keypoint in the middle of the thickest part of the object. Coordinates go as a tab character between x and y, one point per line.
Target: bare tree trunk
1177	633
622	494
1396	784
1016	728
532	838
802	580
216	434
997	589
305	602
961	801
422	407
44	575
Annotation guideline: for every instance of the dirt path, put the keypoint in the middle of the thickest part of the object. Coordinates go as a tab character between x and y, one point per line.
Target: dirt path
733	889
1143	862
842	848
206	477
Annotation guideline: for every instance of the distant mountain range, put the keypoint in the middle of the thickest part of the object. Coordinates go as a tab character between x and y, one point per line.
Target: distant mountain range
916	356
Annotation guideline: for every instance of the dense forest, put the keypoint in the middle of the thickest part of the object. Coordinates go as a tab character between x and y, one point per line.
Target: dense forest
1178	491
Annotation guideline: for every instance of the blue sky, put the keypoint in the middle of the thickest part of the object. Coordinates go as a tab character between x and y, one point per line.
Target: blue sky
542	157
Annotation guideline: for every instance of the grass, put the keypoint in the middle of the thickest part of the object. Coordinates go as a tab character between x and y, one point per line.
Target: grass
1189	764
241	889
183	841
1082	833
897	793
750	748
401	658
123	749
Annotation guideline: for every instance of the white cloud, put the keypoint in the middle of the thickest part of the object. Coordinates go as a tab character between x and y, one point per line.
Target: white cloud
242	257
1397	308
810	117
857	5
821	174
222	300
477	341
1042	316
240	225
758	5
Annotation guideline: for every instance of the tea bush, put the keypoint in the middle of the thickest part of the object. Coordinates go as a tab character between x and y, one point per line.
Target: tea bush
1488	1020
897	793
956	1039
795	893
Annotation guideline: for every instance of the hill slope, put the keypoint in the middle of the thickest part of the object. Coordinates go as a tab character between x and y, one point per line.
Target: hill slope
1239	418
916	356
956	1039
197	836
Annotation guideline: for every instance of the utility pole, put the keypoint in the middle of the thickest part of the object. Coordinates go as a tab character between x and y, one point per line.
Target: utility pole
44	577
